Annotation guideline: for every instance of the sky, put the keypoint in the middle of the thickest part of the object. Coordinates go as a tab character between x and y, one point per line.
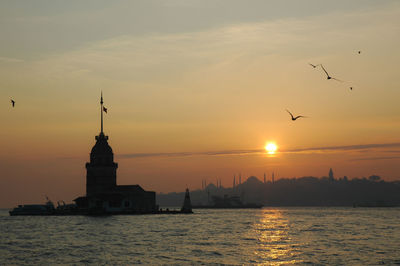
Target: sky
194	90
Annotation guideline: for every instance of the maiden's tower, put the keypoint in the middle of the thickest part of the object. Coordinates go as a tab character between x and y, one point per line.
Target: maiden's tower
103	195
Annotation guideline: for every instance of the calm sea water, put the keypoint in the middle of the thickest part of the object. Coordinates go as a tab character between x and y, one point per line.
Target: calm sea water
266	236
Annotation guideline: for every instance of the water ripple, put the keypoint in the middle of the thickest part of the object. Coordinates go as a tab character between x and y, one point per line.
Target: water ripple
274	236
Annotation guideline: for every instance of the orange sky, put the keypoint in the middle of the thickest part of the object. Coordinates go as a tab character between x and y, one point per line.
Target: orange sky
196	77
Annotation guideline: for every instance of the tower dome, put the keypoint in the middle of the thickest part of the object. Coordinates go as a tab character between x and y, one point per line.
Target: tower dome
101	153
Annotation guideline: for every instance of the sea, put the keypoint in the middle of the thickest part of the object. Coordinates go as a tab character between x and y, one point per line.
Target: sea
268	236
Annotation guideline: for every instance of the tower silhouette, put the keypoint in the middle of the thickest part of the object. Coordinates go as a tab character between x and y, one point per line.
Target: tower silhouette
187	205
101	171
103	195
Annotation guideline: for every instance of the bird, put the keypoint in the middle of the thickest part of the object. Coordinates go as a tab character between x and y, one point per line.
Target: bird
329	77
314	66
295	118
12	102
351	88
359	52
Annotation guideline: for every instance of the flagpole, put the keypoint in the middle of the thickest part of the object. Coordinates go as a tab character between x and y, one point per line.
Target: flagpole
101	111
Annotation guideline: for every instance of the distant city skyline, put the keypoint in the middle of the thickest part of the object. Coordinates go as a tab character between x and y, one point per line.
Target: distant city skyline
195	90
305	191
271	179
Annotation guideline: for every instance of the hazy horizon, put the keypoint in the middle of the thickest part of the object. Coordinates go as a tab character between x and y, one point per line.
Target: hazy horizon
194	90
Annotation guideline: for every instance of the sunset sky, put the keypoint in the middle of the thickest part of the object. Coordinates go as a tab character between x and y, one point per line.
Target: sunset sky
194	90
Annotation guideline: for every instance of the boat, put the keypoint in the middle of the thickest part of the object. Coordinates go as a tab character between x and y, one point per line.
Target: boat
34	209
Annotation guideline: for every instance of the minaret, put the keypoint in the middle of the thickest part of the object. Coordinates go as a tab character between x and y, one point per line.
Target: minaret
331	177
234	181
101	171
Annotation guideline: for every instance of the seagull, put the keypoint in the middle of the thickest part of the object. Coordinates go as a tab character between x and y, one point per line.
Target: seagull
314	66
295	118
12	102
329	77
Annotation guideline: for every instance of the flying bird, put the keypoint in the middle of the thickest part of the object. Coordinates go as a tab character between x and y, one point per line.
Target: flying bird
351	88
359	52
12	102
329	77
314	66
295	118
104	109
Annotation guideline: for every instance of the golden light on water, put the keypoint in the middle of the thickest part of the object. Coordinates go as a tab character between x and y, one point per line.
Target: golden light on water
274	241
271	148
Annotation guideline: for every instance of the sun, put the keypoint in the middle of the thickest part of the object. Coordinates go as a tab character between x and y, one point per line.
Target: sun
271	148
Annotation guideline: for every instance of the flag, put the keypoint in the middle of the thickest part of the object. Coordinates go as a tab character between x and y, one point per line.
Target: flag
104	109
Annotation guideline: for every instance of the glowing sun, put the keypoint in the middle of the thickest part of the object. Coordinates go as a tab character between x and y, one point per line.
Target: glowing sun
271	148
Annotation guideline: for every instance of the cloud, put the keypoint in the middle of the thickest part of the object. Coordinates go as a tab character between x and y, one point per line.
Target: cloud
377	158
10	60
132	56
346	147
187	154
327	149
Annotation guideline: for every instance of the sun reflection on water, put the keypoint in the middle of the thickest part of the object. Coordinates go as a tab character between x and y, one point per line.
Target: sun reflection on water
274	243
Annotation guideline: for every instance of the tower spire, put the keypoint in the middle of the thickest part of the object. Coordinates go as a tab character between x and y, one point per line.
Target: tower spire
101	111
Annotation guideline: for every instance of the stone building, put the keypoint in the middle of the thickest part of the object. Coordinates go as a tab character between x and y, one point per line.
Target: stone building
103	195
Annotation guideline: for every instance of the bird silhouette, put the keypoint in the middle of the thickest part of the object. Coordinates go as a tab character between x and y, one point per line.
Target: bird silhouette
329	77
359	52
295	118
12	102
314	66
